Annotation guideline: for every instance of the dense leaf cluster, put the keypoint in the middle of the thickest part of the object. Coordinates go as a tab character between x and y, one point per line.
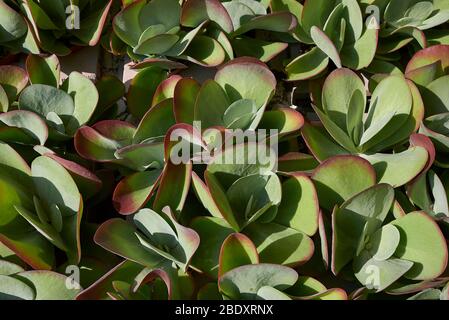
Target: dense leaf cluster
353	205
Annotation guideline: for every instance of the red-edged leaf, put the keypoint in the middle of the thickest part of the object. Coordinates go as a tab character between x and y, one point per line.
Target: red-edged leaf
165	90
195	12
142	90
237	250
133	192
184	99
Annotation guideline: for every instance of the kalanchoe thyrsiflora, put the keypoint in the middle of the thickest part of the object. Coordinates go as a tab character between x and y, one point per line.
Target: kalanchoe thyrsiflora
152	239
381	252
338	33
133	281
241	274
395	112
15	34
165	33
58	26
230	102
428	69
407	21
42	208
36	106
18	126
16	283
247	196
138	149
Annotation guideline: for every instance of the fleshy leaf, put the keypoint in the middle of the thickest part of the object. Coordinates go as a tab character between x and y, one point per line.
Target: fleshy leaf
237	250
341	177
422	243
244	282
299	208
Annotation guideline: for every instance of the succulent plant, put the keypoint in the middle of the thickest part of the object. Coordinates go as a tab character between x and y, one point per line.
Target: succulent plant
405	21
15	36
337	32
209	175
240	103
428	69
395	112
19	284
248	197
59	27
139	149
205	32
393	250
43	208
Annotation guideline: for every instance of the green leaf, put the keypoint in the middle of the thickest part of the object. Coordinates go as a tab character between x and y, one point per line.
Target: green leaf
341	177
256	81
358	218
239	114
390	107
249	203
85	97
14	289
4	102
307	66
176	243
276	22
299	208
156	45
50	285
174	187
8	268
384	242
270	293
237	250
54	185
422	243
344	99
155	122
127	25
435	96
244	282
400	168
133	192
197	11
13	80
360	54
165	90
204	195
215	230
119	237
320	143
142	89
93	25
315	13
20	126
279	244
211	93
260	49
13	25
184	98
43	99
205	51
44	70
326	45
379	275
